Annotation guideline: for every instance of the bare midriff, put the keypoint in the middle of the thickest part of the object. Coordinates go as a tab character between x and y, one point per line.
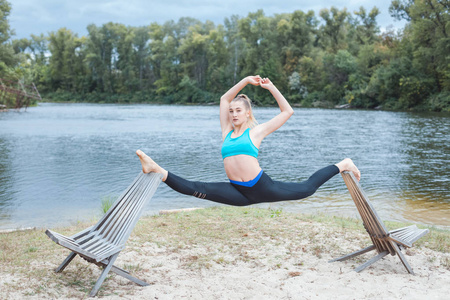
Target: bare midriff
241	167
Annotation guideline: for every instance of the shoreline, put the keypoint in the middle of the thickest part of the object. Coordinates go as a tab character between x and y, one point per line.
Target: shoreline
329	213
230	253
294	105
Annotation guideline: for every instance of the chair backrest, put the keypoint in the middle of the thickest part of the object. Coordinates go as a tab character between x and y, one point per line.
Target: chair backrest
118	222
372	222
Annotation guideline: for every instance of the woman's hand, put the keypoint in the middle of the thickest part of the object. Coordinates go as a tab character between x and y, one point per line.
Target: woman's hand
254	80
266	83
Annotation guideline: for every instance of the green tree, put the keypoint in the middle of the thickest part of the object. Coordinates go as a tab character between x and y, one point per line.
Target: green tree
235	47
101	56
39	48
66	66
219	74
165	59
366	26
8	57
124	62
193	53
142	56
333	31
295	37
338	67
429	36
261	54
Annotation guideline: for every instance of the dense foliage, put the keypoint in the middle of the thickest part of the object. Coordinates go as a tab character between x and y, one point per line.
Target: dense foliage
334	58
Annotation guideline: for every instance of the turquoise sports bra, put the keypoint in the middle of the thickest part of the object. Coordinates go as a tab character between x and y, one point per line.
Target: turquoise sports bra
240	145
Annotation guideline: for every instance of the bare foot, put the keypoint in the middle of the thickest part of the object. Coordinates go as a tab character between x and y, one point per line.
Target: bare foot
348	165
148	165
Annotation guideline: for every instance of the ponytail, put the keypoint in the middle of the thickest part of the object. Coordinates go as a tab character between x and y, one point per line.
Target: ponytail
251	122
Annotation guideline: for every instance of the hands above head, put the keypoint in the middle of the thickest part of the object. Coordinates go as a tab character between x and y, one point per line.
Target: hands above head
266	83
257	80
254	80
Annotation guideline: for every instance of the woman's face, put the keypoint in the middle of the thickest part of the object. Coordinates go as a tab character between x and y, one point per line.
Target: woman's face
238	113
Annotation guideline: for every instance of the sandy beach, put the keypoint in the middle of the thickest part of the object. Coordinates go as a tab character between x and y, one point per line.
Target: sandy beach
230	253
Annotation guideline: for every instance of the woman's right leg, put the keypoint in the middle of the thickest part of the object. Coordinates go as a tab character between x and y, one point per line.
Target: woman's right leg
221	192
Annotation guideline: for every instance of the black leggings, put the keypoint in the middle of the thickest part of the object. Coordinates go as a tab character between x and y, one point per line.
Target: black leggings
265	190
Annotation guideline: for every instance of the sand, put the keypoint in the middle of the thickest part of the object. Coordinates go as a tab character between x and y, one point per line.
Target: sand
252	266
302	277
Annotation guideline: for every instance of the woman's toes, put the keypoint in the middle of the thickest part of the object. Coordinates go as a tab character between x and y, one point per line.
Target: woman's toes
140	153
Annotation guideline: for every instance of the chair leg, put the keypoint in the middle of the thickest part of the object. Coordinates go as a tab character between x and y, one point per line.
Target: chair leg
356	253
65	262
127	275
102	277
371	261
123	273
402	258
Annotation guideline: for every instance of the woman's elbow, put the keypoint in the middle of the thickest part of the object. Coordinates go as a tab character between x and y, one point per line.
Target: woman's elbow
224	100
287	113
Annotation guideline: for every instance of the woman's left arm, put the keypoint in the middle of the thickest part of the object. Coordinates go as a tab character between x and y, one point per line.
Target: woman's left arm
263	130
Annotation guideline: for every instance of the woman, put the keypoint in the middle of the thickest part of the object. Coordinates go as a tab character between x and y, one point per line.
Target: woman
241	140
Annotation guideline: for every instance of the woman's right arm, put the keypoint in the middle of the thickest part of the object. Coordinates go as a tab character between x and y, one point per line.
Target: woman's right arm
225	100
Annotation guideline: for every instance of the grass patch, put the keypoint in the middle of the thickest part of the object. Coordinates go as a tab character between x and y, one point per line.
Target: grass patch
107	202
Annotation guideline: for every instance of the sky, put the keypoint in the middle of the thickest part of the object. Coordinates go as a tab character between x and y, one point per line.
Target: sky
43	16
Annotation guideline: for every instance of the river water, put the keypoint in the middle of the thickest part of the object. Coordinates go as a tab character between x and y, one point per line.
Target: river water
57	161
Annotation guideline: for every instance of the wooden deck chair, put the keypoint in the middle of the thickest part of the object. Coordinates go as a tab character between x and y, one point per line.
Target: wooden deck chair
102	243
384	241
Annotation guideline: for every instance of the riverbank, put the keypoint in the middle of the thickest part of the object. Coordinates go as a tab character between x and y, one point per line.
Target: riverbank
230	253
213	100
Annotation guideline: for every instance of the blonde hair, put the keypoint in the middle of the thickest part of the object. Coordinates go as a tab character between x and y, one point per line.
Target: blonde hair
251	122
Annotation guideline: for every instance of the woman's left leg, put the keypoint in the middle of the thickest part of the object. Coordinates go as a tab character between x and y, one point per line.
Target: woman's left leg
268	190
300	190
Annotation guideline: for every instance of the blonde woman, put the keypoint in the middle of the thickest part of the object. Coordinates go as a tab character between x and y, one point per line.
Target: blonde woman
242	136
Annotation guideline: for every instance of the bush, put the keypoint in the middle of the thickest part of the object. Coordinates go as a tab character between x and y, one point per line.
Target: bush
439	102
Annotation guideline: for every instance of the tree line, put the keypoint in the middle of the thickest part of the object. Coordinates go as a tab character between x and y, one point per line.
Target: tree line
334	58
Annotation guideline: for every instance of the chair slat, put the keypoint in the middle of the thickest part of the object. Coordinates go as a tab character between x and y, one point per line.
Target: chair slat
127	219
404	233
407	228
127	212
378	229
116	211
376	232
131	219
116	204
407	241
420	233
